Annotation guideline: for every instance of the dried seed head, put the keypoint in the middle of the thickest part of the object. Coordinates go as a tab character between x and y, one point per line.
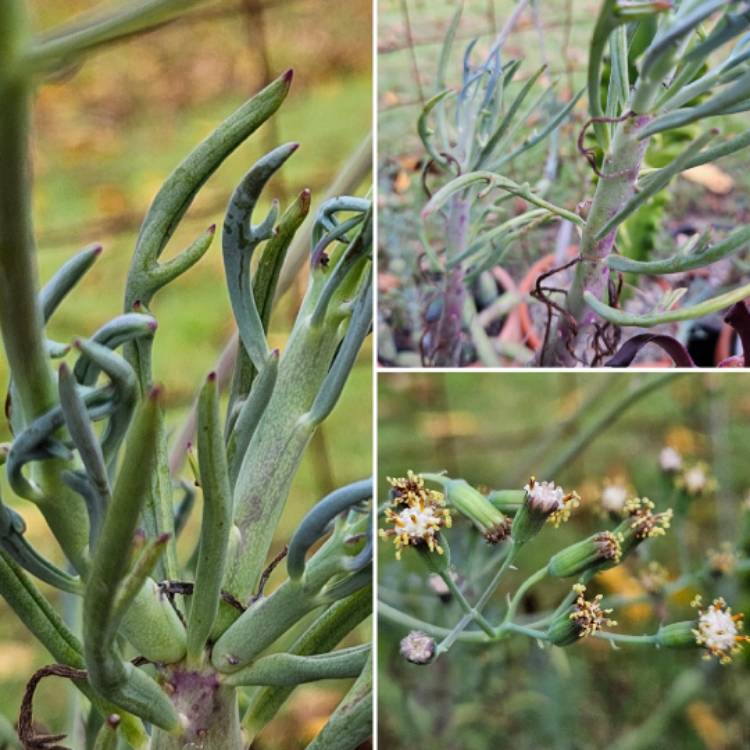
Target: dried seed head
418	648
718	630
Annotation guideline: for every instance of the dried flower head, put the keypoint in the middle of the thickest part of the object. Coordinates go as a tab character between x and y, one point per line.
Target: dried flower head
418	647
654	577
585	618
670	459
718	630
645	523
696	480
615	494
419	515
410	490
551	500
723	561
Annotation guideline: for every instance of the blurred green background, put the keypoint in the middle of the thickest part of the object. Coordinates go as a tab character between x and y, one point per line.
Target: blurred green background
105	135
494	431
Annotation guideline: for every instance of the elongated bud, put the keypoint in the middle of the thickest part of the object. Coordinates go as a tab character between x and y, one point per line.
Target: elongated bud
418	648
494	526
598	552
678	635
544	501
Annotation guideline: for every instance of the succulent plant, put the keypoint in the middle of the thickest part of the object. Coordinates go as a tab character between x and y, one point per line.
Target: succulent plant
658	74
175	652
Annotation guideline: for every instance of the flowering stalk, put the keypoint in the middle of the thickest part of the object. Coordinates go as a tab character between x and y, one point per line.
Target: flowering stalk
577	616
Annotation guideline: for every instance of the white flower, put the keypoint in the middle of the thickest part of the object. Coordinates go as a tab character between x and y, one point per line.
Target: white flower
419	523
670	459
719	630
614	496
545	496
695	479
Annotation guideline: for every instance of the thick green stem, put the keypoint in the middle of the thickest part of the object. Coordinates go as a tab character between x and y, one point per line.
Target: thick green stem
208	711
21	321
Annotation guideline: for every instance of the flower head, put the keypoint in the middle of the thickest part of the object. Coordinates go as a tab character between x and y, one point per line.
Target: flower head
723	561
410	490
718	630
588	615
696	480
642	522
670	459
615	494
585	618
418	648
544	501
418	517
654	578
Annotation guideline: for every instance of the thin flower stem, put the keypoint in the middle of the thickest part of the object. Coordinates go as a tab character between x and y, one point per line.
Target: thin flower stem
641	640
407	621
520	592
531	632
445	645
472	613
495	582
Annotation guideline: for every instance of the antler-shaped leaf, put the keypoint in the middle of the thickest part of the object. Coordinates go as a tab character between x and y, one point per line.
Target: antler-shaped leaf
240	238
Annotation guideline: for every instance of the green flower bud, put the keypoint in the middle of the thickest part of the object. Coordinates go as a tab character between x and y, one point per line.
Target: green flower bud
494	526
678	635
598	552
582	619
544	501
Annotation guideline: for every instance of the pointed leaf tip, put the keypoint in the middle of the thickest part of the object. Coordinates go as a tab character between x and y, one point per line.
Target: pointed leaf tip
212	229
287	77
211	377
